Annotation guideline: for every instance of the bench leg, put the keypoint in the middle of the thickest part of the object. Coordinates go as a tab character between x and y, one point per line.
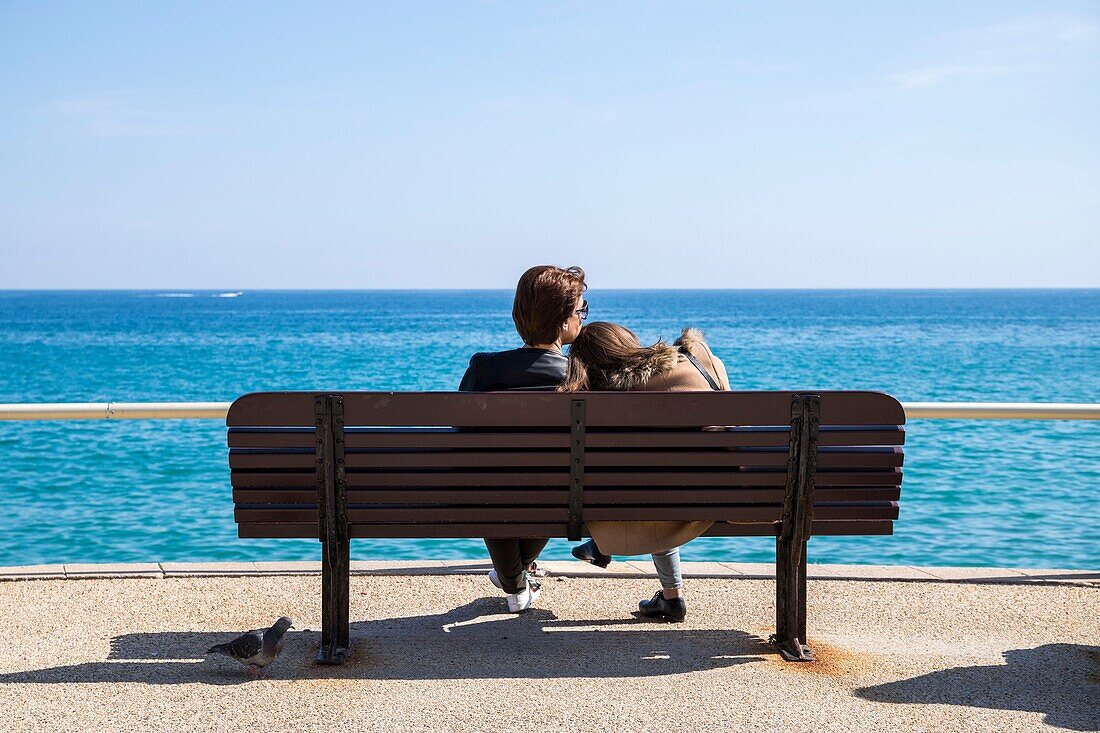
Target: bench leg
335	600
794	530
802	604
790	601
332	528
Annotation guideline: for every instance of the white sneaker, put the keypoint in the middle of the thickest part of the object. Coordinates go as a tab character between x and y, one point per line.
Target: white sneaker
536	573
523	600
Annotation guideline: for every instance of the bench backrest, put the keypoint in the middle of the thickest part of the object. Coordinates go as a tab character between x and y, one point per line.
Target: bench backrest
440	464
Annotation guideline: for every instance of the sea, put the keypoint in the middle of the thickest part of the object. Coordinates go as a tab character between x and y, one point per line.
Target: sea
976	492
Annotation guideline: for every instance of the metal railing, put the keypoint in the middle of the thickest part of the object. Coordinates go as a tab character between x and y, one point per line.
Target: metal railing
115	411
218	410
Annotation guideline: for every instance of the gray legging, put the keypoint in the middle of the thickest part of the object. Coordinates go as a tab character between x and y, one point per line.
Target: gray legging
668	568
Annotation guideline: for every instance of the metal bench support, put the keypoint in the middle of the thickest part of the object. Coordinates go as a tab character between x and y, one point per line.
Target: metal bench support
576	470
332	510
797	519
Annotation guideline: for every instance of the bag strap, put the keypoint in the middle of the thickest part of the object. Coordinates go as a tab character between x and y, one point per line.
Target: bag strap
706	375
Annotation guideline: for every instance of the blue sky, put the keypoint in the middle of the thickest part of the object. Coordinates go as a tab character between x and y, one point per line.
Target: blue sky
451	144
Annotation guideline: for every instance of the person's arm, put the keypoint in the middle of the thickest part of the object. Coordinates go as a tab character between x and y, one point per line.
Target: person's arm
717	367
469	379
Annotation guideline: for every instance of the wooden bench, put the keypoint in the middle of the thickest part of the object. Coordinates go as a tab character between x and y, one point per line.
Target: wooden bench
538	464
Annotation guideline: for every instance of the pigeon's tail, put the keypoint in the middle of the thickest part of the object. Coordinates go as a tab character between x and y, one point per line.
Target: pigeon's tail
220	649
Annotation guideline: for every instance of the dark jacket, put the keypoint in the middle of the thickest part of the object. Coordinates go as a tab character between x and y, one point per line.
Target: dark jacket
515	369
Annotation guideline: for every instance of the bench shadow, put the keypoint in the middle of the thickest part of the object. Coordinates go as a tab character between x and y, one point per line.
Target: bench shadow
1061	681
479	640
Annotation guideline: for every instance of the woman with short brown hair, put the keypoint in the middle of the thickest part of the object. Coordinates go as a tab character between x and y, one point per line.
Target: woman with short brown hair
547	310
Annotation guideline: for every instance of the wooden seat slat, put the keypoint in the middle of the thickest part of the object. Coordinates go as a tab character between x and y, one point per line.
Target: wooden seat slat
592	497
357	479
827	458
538	530
534	409
450	438
292	514
819	528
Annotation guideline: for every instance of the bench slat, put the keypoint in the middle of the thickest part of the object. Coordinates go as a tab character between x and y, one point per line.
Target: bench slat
354	479
358	514
532	409
592	497
422	438
538	530
827	458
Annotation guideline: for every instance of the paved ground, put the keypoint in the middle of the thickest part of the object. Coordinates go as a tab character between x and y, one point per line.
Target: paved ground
633	568
436	652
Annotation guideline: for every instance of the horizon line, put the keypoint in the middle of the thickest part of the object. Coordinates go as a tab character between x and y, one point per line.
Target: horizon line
508	289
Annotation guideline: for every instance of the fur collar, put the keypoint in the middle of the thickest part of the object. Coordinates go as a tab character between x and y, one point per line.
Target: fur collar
662	358
691	339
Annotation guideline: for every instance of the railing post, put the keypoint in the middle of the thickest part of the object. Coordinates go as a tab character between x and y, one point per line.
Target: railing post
332	519
796	526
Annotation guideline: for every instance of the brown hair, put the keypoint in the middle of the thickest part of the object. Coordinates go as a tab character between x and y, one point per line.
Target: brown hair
546	297
603	349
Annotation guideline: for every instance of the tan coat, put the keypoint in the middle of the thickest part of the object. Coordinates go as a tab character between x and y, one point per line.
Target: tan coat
669	371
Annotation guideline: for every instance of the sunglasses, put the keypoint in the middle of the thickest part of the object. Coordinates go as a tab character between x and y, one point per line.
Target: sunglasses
583	310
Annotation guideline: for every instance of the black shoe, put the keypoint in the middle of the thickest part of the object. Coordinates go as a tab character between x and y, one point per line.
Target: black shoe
660	607
590	553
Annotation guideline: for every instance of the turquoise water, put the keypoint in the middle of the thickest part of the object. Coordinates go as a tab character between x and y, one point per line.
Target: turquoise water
985	493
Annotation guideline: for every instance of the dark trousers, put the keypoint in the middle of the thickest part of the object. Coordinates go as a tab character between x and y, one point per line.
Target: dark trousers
511	557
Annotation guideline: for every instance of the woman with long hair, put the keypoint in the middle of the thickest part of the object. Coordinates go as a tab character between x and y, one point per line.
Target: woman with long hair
609	357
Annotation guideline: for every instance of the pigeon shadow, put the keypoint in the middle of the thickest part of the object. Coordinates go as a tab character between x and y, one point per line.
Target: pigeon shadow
1060	680
478	640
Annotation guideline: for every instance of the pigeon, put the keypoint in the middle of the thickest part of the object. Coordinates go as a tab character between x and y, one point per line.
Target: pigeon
257	648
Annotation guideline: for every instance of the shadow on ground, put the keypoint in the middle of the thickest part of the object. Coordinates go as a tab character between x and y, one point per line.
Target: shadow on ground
474	641
1060	680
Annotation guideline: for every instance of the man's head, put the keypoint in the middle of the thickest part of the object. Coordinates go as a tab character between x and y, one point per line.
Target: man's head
547	304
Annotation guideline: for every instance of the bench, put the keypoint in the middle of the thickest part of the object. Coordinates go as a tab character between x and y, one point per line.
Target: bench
336	466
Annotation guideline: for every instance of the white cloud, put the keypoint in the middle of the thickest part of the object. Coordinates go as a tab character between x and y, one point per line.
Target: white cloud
1076	32
1002	49
128	114
1041	31
931	76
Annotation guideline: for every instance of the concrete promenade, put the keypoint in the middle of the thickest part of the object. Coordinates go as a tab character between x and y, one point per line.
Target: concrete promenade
899	649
